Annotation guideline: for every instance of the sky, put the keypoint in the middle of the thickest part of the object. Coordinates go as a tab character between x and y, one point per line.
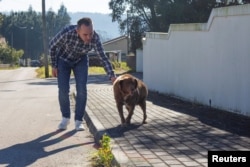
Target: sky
93	6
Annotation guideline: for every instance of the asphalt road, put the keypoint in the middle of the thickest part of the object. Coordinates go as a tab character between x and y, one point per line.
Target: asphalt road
29	116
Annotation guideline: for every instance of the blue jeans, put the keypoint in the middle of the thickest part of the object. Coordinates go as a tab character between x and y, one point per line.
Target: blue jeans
80	71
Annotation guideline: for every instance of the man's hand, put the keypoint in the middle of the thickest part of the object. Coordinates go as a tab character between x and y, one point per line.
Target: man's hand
54	72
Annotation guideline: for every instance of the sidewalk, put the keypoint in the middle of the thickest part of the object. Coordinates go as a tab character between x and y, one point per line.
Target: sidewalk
177	133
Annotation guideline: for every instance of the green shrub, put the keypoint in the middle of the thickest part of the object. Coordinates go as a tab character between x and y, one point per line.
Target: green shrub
40	72
104	156
120	67
9	55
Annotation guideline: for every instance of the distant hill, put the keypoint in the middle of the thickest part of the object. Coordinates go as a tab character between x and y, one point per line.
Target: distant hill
102	23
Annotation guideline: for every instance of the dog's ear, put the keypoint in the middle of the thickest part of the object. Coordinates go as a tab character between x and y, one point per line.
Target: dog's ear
121	84
136	83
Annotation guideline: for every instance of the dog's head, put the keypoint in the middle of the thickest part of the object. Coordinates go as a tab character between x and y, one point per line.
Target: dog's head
128	85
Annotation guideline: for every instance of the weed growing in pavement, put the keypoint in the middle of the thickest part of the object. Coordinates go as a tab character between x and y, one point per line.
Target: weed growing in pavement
104	156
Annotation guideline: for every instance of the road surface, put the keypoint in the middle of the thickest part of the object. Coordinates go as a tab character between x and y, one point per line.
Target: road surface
29	116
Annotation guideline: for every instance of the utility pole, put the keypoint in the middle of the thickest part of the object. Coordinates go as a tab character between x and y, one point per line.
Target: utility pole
128	34
45	41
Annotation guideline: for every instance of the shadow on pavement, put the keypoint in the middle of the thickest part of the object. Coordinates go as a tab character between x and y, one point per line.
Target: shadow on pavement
48	81
179	137
24	154
97	79
22	80
119	131
225	120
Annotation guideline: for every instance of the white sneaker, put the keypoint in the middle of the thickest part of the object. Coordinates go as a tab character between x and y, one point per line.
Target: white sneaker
64	123
79	125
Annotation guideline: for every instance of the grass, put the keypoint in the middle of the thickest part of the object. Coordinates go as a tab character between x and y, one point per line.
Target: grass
118	67
96	70
9	68
40	72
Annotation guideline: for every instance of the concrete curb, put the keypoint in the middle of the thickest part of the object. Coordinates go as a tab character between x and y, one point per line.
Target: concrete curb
96	128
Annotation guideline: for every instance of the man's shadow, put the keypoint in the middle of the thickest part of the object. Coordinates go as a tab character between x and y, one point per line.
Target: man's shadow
24	154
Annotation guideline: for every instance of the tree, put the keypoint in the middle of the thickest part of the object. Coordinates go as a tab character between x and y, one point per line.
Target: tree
138	19
23	30
234	2
1	20
245	1
51	23
61	19
9	55
136	33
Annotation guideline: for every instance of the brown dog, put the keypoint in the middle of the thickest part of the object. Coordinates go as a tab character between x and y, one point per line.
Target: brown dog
130	91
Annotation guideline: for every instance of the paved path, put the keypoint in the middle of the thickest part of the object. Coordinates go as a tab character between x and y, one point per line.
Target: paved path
177	134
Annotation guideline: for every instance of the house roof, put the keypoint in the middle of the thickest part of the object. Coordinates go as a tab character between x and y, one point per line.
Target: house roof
115	40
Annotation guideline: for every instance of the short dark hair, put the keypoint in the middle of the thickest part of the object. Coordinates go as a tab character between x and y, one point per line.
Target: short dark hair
84	21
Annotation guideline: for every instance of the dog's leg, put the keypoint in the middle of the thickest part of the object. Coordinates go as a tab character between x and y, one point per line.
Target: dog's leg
120	110
143	107
130	114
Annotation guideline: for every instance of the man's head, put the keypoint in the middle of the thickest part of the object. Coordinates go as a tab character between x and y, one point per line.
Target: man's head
85	29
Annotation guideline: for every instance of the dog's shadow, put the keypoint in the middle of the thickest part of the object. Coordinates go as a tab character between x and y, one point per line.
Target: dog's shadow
119	130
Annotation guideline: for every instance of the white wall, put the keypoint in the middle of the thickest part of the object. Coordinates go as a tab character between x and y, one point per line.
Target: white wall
139	60
203	61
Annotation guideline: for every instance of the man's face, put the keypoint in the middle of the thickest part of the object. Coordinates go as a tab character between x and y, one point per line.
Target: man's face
85	33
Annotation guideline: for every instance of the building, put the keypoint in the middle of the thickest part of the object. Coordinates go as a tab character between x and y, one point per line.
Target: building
117	46
2	41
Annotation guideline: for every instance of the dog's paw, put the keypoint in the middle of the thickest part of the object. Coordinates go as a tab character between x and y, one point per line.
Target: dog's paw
144	122
123	125
128	121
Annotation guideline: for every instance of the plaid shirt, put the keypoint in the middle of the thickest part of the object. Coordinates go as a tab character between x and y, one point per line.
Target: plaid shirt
67	45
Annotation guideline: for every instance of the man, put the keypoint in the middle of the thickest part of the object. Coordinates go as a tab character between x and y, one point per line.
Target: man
69	51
